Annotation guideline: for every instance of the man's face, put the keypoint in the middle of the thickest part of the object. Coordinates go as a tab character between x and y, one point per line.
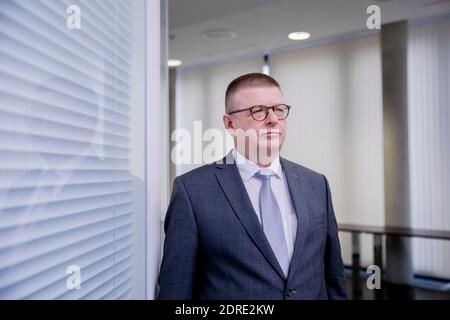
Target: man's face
269	133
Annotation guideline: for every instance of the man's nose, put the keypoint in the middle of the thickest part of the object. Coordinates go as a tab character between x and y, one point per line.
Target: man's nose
271	117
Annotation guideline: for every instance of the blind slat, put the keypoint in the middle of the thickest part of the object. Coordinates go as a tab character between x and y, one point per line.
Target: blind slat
121	285
19	141
105	6
20	217
75	192
106	27
67	93
51	244
108	285
49	16
89	283
43	19
34	46
86	254
42	74
22	120
22	234
28	160
77	143
24	179
56	276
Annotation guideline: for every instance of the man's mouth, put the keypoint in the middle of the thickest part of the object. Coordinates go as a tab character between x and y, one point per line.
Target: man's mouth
271	133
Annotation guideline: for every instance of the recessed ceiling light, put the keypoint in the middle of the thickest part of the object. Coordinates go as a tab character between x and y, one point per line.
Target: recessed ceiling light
174	63
219	34
299	35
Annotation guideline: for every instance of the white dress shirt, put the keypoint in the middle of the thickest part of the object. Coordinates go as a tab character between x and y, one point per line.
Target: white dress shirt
247	170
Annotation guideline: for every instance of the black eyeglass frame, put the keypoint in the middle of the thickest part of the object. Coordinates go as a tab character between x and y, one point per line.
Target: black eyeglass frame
266	108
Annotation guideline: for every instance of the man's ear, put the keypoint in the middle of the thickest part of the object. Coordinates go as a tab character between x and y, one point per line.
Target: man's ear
228	123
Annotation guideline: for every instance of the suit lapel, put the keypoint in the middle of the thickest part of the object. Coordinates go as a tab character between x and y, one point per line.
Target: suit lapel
234	189
298	191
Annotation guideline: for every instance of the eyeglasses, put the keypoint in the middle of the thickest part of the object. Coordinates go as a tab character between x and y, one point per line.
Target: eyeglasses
260	112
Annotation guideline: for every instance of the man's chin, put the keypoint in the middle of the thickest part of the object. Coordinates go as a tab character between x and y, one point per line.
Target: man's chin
269	148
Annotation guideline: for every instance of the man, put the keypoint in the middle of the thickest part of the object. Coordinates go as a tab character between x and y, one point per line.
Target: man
253	225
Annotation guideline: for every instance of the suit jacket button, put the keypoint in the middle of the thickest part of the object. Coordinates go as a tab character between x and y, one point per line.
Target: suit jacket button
290	292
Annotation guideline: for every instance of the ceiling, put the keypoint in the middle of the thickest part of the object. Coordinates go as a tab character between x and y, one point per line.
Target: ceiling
262	26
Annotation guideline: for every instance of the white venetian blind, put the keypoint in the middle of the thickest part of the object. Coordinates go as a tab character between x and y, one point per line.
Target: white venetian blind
429	142
65	183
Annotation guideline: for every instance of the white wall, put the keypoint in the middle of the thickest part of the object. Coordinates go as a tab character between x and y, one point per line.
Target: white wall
429	142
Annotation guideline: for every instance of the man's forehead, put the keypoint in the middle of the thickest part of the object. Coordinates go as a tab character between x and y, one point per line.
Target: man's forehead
257	93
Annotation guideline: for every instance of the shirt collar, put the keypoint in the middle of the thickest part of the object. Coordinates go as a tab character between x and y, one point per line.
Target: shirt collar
247	168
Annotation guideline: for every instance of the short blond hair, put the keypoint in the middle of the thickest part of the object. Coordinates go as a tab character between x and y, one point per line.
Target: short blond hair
249	80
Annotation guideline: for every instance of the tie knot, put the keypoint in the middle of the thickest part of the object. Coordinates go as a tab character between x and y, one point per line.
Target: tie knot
265	174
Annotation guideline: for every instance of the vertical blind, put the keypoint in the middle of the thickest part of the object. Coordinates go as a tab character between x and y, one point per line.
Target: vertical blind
429	142
65	183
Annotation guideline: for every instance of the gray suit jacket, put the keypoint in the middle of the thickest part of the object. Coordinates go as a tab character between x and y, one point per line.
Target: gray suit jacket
215	247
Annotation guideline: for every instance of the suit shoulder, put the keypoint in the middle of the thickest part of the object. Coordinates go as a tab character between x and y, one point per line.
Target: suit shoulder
305	171
198	174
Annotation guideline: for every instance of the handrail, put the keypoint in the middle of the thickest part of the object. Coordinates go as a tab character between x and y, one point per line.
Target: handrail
396	231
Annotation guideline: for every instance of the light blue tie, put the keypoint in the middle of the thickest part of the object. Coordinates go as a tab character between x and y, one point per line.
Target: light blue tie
271	219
